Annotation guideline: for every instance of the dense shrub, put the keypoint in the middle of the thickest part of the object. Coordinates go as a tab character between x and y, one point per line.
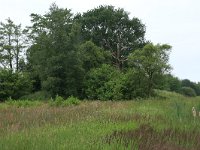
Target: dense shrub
22	103
73	100
108	83
187	91
133	85
93	56
39	95
193	85
103	83
60	101
14	85
172	83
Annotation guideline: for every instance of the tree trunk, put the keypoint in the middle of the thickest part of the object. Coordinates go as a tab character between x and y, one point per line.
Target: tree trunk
17	56
9	52
150	84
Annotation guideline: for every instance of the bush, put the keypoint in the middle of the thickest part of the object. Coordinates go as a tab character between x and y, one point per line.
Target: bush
172	83
108	83
22	103
93	56
14	85
40	95
60	101
103	83
73	101
133	85
187	91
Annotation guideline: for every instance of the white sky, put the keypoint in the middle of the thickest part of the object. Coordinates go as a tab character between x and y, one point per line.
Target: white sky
175	22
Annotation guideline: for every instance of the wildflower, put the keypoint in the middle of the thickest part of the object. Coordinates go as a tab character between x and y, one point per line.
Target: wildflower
194	112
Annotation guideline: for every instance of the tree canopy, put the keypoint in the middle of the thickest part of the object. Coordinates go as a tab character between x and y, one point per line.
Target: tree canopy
99	54
113	30
150	62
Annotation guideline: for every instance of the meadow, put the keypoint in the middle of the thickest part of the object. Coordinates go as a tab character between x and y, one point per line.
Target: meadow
161	123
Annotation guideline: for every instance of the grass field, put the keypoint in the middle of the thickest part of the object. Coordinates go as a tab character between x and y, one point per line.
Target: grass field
153	124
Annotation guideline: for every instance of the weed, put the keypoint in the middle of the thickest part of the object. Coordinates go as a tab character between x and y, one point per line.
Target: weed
59	101
73	101
22	103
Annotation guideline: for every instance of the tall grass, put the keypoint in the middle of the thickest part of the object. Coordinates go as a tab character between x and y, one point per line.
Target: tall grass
156	123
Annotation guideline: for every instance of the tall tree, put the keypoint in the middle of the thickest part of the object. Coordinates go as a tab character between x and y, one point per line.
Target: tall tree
193	85
93	56
7	32
151	62
173	83
19	46
113	30
11	45
53	55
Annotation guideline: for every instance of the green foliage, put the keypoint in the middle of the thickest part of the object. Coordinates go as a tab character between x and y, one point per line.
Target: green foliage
14	85
39	95
113	30
53	56
133	85
172	83
12	44
187	91
150	62
73	100
60	101
100	54
93	56
22	103
103	83
187	83
193	85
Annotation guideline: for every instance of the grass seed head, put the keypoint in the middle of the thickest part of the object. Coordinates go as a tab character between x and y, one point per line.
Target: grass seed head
194	112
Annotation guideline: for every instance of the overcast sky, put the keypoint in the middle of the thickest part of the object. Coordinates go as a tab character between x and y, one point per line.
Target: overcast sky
175	22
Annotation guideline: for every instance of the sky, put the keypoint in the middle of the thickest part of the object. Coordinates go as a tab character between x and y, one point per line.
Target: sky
173	22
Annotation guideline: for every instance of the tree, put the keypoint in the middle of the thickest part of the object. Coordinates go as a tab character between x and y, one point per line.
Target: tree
134	85
173	83
150	62
193	85
188	91
103	83
93	56
19	38
113	30
11	45
14	85
53	55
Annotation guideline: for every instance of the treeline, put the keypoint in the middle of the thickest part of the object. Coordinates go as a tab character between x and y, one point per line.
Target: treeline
100	54
185	87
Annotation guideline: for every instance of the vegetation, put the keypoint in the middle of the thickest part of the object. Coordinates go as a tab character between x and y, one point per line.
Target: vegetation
141	124
100	54
188	91
59	101
14	84
92	81
150	63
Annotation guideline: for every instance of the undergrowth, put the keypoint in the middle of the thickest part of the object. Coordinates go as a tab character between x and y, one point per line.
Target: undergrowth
59	101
